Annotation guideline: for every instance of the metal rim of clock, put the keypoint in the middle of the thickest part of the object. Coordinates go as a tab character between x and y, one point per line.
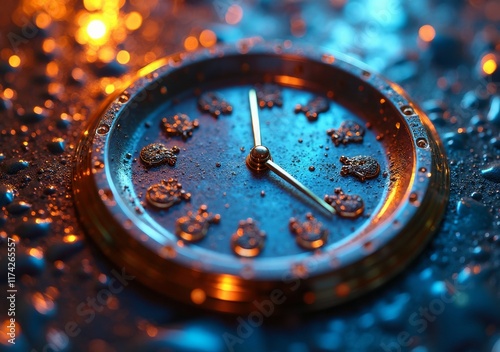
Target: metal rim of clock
400	229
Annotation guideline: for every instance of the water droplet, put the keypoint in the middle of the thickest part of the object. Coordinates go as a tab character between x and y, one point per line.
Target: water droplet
212	103
494	112
248	240
348	132
481	254
30	261
492	172
166	194
474	100
33	228
43	304
391	313
437	118
309	234
361	166
18	207
495	142
50	190
194	226
14	166
112	68
476	196
269	95
103	129
36	115
6	194
346	206
434	106
157	154
56	146
313	108
63	123
5	104
179	125
456	140
63	250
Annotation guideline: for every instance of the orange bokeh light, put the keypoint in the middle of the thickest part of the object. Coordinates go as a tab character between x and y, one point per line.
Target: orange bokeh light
234	14
427	33
208	38
133	21
8	93
489	64
96	29
191	43
198	296
14	61
49	45
123	57
43	20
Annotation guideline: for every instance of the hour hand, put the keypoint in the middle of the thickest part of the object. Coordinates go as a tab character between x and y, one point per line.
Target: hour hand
278	170
254	113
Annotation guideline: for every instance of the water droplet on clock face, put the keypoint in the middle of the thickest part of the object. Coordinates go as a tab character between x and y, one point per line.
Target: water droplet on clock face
210	167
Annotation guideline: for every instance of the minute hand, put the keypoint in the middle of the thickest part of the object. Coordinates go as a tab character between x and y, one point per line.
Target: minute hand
254	113
294	182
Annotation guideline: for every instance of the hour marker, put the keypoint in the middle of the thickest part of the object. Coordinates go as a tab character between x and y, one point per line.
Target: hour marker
363	167
248	240
269	95
313	108
310	234
166	194
157	154
213	104
179	125
347	206
194	226
348	132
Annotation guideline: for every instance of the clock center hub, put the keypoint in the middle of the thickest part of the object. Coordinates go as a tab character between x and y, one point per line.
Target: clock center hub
258	157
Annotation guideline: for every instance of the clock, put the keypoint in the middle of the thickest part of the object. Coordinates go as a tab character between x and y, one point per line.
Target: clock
260	172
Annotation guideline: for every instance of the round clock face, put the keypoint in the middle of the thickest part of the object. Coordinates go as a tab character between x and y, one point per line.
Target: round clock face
233	175
209	163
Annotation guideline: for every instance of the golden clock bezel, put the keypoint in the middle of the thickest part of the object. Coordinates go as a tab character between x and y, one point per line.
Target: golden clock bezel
408	217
